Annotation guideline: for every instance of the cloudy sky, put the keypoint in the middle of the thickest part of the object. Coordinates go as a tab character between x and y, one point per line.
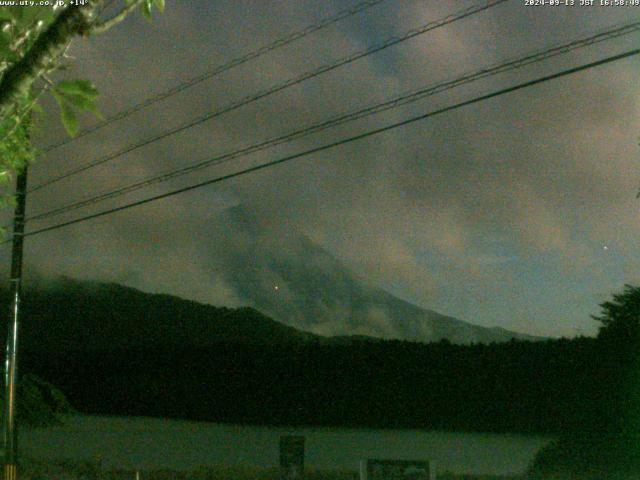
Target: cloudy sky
518	212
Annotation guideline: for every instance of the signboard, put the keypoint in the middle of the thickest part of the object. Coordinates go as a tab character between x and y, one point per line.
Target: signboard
291	457
373	469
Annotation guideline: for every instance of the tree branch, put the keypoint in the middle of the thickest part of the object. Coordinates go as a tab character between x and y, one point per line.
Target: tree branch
18	79
102	27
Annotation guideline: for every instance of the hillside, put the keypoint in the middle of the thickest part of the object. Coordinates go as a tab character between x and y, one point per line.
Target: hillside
68	314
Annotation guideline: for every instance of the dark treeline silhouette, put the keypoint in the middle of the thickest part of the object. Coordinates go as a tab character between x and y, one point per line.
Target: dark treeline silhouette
118	351
542	387
606	445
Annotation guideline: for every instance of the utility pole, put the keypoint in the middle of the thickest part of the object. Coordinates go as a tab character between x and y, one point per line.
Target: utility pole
11	367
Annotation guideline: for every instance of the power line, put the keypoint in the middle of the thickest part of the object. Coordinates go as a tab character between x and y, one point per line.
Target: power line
280	42
339	142
404	99
277	88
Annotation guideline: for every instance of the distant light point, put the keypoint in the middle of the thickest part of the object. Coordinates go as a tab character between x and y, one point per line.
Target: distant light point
605	247
276	287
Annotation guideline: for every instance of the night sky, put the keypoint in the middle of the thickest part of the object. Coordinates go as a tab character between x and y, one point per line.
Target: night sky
518	212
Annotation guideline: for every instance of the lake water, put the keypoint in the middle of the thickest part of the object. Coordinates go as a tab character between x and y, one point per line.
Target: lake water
143	443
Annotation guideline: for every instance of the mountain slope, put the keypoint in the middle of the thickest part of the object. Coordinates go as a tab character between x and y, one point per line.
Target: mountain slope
287	276
281	273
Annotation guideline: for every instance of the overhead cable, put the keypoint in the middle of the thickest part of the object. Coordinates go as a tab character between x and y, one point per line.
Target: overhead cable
334	144
403	99
274	89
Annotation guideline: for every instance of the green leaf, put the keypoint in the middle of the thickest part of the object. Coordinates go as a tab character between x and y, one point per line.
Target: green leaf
6	14
159	5
47	15
145	6
81	88
80	94
17	13
69	117
81	103
5	43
